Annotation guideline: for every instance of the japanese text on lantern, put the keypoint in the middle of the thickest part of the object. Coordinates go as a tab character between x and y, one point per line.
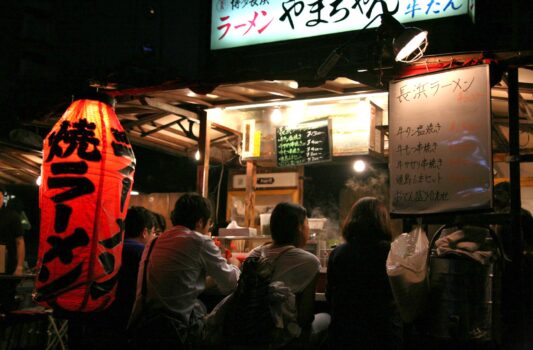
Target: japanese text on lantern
74	168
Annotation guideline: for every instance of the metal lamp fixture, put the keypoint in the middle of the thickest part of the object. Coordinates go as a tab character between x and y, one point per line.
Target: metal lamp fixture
408	43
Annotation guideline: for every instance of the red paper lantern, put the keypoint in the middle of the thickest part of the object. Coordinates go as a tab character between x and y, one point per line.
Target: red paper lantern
87	175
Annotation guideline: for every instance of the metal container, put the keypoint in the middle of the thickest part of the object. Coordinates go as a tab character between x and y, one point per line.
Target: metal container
464	300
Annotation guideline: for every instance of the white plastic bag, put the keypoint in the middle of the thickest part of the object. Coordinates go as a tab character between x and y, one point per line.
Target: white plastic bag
407	271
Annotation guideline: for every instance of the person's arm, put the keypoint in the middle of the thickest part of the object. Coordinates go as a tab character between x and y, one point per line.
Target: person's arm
21	253
224	274
305	304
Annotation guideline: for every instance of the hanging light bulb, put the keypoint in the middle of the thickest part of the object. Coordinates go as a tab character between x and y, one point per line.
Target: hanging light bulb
359	166
39	180
197	155
276	116
409	43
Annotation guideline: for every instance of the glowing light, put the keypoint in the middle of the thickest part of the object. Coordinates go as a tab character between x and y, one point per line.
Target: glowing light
416	47
359	166
39	180
197	155
276	116
134	193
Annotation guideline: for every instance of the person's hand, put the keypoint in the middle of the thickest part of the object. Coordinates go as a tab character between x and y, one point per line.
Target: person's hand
234	261
19	271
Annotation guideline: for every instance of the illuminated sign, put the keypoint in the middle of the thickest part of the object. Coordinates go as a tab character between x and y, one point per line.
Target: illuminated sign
237	23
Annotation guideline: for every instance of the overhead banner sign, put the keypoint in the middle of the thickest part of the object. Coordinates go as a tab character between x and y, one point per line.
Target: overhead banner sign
440	154
237	23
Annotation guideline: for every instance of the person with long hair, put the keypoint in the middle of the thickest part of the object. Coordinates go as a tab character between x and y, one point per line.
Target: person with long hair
296	268
363	311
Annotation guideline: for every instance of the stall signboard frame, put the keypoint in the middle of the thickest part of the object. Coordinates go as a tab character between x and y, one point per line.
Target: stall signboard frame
305	143
440	155
238	23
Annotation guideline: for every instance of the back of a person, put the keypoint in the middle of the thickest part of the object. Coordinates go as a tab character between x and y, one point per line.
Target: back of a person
10	229
363	313
362	305
358	279
296	268
127	283
172	274
175	272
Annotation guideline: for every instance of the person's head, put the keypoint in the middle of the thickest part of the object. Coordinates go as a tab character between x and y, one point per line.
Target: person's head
16	205
368	220
139	224
502	196
192	211
288	224
160	223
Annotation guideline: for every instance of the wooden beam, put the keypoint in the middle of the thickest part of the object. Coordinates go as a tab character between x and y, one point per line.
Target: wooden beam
202	179
183	98
249	210
167	107
329	86
130	124
219	91
270	88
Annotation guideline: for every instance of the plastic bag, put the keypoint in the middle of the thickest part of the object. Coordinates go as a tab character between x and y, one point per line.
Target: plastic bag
407	271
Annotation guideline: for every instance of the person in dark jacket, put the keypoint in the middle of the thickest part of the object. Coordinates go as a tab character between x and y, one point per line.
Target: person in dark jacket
13	248
107	329
363	312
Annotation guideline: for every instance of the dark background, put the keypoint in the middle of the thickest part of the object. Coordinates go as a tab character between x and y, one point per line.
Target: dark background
54	49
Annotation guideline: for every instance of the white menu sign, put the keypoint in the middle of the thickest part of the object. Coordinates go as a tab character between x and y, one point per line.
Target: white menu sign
440	155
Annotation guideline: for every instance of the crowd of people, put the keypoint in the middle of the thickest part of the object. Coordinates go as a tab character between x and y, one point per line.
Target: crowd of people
165	272
183	262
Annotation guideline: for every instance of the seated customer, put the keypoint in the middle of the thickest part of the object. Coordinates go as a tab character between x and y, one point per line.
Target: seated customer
363	312
180	260
296	268
139	229
107	329
160	223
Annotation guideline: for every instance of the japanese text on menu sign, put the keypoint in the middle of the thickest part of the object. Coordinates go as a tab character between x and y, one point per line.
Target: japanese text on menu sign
303	144
248	22
440	142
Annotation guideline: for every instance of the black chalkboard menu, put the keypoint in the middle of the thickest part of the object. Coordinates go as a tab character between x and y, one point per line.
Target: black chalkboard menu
303	144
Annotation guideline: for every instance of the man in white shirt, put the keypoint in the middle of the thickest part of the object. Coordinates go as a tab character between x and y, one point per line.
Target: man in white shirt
179	262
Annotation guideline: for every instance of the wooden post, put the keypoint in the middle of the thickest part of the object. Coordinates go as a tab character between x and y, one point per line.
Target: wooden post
202	175
301	181
249	211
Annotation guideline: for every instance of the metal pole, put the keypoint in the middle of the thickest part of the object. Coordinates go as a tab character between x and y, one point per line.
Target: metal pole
202	177
514	168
